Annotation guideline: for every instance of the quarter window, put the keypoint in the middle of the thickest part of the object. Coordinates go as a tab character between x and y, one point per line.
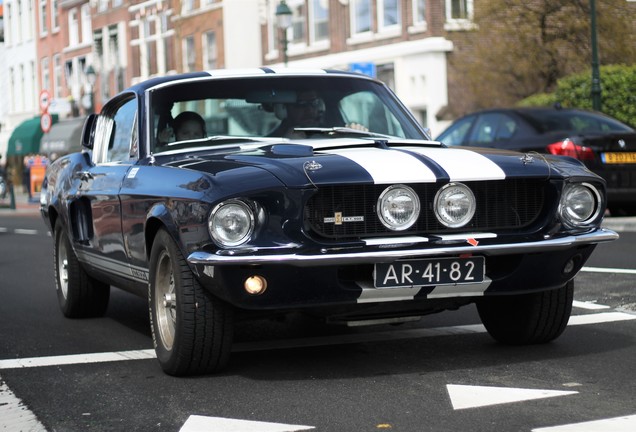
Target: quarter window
123	138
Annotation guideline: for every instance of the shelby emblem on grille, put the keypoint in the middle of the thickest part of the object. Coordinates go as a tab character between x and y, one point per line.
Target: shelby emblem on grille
339	219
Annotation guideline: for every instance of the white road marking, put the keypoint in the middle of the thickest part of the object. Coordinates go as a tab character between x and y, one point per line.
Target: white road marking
14	415
25	231
197	423
19	231
598	318
77	359
608	270
465	396
589	305
616	424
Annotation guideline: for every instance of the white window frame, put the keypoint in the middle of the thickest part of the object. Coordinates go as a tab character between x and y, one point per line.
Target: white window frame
382	26
315	22
464	23
55	16
73	28
209	61
353	8
57	76
46	74
87	26
189	54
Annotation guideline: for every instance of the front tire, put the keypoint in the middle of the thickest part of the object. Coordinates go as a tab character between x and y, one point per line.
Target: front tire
191	330
79	295
527	318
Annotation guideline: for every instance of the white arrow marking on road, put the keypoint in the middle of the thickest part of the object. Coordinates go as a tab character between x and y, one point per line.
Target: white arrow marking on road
197	423
464	396
15	415
616	424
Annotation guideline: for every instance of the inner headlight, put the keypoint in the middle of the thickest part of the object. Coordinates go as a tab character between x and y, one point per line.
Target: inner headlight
580	204
398	207
454	205
231	223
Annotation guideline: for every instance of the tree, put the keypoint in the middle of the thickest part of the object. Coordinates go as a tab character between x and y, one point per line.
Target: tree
523	47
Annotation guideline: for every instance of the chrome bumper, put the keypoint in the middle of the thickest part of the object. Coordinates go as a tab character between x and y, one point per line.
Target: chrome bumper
340	257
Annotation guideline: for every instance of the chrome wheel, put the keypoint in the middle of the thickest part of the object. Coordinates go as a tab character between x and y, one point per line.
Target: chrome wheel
165	301
62	268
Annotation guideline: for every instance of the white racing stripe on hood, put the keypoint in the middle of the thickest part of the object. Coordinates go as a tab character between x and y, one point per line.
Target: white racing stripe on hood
462	165
387	167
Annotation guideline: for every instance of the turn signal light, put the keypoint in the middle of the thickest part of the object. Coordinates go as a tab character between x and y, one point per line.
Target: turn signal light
255	285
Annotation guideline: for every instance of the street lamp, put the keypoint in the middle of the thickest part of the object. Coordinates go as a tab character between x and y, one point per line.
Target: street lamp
283	20
91	77
596	76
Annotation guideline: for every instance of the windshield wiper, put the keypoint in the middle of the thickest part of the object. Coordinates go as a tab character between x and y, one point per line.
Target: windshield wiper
340	131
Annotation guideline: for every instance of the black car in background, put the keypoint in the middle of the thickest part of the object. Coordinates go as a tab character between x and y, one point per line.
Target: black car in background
605	145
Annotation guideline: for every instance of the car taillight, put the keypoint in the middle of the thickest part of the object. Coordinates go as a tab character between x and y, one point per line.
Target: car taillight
568	148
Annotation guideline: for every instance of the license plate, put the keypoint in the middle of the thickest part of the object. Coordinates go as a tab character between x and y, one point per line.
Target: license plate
429	272
619	158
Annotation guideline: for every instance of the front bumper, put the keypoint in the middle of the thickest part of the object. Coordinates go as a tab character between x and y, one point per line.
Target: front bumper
328	257
344	279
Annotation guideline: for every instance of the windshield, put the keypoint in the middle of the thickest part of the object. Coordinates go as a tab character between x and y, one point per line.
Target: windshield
198	112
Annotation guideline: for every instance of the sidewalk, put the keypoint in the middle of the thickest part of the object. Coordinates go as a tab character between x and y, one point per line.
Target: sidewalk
22	203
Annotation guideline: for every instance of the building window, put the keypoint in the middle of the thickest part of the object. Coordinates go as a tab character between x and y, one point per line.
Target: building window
57	76
43	16
102	6
319	20
458	9
55	16
187	6
360	16
46	74
459	15
189	54
298	21
209	50
419	12
388	13
73	28
87	31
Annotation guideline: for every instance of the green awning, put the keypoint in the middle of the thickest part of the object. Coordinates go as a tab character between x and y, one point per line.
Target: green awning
25	138
64	137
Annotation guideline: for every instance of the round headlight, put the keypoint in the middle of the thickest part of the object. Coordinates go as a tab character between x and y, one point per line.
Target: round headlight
454	205
398	207
580	204
231	223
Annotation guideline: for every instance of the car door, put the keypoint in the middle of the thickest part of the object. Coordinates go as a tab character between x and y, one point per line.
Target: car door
114	153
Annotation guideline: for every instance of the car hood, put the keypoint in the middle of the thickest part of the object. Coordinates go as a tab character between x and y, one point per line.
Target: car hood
358	161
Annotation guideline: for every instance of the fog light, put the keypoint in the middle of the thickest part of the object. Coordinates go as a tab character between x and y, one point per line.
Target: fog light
255	285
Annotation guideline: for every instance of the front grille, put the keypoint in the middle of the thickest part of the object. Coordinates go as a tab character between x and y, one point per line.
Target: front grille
501	205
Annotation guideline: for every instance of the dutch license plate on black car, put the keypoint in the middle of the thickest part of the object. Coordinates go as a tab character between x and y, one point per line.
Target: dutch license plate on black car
429	272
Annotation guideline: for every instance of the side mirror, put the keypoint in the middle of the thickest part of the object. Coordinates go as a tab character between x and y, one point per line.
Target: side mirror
88	132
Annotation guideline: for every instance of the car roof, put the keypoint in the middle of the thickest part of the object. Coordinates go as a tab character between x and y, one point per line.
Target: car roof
536	116
163	81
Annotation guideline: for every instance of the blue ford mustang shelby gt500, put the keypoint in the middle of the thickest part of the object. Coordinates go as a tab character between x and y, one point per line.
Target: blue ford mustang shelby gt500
228	194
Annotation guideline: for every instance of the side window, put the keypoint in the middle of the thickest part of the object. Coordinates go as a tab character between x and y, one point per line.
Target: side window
455	135
123	139
366	109
492	127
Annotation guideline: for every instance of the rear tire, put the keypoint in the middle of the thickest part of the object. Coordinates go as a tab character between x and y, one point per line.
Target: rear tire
527	318
192	331
79	295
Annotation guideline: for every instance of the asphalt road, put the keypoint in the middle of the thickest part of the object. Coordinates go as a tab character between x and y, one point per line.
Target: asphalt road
443	373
